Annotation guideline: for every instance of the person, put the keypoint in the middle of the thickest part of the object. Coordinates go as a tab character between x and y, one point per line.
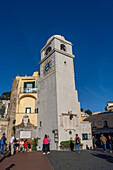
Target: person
77	142
29	147
103	140
110	143
94	142
45	144
2	143
26	145
48	150
71	144
12	144
21	145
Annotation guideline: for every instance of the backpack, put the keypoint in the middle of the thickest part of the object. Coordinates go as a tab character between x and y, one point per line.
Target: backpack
77	141
2	141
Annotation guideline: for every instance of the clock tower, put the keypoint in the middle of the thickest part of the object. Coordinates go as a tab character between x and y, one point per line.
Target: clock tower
58	101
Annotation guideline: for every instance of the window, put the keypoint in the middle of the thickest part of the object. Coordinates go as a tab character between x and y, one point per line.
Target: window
48	50
29	84
84	136
105	123
93	124
40	123
28	110
63	47
70	132
99	122
36	110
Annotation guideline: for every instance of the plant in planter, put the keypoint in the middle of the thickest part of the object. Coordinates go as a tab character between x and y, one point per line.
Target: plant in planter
65	145
35	141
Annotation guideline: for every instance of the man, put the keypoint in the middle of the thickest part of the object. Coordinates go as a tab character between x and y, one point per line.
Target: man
103	140
2	143
77	142
110	143
11	144
94	142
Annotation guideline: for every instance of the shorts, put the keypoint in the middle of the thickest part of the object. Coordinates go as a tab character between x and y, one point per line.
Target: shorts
21	146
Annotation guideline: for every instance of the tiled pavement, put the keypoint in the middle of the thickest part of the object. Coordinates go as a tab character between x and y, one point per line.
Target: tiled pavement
25	161
86	160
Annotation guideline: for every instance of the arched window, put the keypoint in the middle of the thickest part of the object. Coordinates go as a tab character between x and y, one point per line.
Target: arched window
63	47
48	50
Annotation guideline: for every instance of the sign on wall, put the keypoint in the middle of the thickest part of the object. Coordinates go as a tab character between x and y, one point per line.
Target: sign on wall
25	134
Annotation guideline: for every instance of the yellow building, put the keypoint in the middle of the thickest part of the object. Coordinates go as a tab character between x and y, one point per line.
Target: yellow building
23	105
101	123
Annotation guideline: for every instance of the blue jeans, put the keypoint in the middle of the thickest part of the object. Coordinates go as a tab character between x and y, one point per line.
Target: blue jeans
2	149
105	147
76	146
110	147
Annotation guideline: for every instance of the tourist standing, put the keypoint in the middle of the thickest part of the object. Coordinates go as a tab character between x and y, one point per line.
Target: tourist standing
94	142
11	144
103	140
110	143
71	144
2	143
77	143
45	144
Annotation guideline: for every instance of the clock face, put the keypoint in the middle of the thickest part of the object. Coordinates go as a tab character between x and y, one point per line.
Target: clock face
47	68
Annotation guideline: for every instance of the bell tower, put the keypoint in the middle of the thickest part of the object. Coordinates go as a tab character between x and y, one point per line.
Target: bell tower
59	110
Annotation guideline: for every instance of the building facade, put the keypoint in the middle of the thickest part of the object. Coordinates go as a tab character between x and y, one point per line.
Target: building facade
101	123
59	111
22	107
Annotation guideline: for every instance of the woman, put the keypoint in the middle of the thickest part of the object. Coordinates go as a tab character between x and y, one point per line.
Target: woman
45	145
26	145
21	145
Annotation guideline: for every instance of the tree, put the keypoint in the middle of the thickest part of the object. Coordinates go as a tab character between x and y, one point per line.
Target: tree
5	96
88	112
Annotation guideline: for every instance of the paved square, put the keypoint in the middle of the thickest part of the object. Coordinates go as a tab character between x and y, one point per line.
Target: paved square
58	160
86	160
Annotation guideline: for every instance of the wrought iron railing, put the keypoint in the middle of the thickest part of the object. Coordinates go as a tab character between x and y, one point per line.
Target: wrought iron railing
28	90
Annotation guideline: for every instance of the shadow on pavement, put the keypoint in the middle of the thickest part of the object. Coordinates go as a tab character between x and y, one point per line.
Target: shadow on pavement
11	166
5	156
106	157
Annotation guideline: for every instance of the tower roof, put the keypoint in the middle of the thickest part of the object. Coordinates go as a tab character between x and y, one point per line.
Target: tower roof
55	36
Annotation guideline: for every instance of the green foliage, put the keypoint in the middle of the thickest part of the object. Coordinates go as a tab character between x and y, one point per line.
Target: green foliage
5	96
88	112
35	141
65	143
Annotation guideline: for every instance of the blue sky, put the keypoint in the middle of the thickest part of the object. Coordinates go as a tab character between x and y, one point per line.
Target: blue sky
25	27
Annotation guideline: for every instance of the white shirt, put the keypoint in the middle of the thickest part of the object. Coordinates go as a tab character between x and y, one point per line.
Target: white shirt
21	143
12	138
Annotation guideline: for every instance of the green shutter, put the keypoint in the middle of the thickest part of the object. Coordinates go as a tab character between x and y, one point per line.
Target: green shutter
34	84
25	84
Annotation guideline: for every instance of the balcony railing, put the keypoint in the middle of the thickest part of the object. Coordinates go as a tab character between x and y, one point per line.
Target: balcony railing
28	90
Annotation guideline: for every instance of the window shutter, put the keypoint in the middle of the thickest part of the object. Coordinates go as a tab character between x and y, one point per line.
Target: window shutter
25	84
33	84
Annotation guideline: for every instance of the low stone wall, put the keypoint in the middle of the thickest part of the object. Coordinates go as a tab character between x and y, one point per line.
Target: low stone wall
67	148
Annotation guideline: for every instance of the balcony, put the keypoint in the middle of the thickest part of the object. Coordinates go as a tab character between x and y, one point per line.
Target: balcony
28	90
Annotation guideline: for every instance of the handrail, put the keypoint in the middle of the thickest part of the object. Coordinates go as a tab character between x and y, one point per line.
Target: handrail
25	113
28	90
